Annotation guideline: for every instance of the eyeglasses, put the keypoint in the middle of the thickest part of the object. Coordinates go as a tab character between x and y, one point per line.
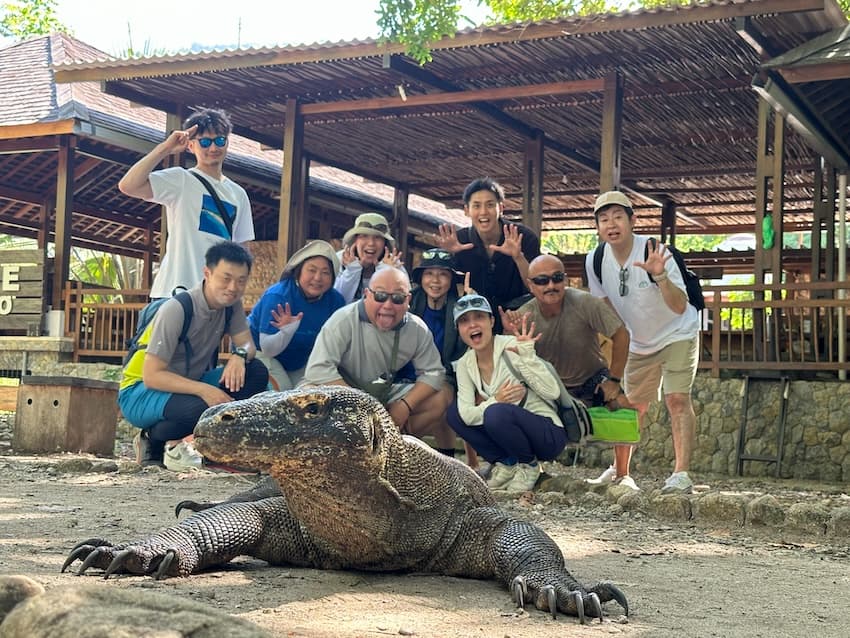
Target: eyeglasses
470	302
206	142
397	298
433	253
381	228
624	277
543	280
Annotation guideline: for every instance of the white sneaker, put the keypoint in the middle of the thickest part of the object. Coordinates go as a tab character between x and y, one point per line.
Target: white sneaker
183	457
678	483
628	481
607	476
501	475
525	478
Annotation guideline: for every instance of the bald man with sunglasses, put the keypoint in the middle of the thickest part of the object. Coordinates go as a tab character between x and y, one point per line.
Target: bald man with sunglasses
570	321
195	219
368	345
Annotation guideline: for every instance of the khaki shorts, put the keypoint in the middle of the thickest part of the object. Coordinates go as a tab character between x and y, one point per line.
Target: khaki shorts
674	367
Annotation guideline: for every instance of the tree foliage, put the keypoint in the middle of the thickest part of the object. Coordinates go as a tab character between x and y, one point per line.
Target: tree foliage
417	23
23	19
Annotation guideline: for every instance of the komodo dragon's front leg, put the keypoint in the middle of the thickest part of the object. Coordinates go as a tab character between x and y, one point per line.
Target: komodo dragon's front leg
532	566
266	487
264	529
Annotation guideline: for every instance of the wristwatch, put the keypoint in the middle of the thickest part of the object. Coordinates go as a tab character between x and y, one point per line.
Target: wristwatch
241	352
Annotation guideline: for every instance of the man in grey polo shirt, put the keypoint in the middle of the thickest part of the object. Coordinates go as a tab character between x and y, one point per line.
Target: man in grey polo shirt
367	344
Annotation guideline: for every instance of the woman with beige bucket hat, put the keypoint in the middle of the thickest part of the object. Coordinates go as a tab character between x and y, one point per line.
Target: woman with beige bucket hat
367	244
288	317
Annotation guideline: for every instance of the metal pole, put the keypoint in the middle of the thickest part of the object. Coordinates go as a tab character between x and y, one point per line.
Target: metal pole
842	269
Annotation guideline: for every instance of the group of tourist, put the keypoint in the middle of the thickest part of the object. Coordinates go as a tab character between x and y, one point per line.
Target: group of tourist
458	347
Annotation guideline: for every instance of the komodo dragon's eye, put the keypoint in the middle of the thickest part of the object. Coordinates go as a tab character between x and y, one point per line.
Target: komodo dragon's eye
312	408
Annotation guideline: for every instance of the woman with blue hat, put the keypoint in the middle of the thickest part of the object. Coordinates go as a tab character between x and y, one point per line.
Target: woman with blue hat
506	397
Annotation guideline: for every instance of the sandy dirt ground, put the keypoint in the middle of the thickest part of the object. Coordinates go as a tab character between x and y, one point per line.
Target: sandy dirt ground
681	580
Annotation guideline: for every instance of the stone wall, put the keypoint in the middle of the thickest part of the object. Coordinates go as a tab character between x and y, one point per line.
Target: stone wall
817	430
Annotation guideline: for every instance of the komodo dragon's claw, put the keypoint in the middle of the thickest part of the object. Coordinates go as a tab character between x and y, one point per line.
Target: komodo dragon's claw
609	591
578	601
192	506
519	590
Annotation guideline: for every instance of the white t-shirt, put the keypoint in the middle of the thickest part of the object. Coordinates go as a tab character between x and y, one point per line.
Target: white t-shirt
650	322
194	224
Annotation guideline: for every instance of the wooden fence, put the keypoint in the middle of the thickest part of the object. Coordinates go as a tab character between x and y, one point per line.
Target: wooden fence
783	327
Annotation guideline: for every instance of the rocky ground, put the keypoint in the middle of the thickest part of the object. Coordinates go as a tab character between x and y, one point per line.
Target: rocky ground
739	559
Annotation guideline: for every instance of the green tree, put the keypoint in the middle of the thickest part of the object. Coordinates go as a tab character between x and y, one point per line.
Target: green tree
22	19
417	23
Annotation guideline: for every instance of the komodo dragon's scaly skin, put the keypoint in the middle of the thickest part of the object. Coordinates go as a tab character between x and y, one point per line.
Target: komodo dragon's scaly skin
355	495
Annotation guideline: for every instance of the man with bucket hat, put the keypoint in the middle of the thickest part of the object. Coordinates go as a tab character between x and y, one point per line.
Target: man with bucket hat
647	290
286	320
366	244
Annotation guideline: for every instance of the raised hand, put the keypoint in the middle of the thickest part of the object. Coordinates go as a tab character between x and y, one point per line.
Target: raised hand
393	258
512	246
467	289
525	331
447	239
349	254
282	316
656	260
511	320
178	141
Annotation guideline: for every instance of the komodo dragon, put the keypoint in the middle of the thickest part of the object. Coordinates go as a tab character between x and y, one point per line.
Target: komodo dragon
353	494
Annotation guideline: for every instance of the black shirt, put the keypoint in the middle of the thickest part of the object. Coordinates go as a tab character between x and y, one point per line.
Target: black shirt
497	278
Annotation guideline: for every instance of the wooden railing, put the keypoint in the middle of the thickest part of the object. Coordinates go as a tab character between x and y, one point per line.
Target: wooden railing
788	327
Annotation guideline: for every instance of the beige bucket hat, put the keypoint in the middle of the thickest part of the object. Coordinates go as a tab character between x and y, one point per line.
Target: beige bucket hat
313	248
370	224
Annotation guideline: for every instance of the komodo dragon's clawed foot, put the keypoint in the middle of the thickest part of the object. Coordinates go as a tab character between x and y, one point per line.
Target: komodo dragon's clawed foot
582	603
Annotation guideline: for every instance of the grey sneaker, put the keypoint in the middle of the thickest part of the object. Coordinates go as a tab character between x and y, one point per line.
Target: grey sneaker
678	483
484	469
501	475
524	479
147	452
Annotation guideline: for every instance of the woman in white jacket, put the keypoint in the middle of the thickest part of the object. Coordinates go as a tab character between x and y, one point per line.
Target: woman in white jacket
505	405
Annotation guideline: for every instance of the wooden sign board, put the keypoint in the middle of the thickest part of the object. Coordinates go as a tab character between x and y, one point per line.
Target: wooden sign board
21	290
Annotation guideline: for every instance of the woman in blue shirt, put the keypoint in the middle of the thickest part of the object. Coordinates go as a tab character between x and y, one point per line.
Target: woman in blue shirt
288	317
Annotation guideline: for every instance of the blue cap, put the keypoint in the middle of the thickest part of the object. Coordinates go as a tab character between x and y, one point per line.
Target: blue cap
468	303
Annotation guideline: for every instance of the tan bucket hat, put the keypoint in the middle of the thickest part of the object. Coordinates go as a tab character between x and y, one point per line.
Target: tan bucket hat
370	224
313	248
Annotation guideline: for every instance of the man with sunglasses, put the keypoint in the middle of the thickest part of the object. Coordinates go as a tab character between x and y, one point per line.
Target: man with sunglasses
494	253
663	329
196	220
366	344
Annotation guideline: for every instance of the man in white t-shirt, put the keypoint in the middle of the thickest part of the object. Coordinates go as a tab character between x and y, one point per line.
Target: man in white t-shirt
195	221
663	329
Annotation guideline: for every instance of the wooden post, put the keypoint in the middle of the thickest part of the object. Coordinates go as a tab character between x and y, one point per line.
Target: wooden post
532	196
293	144
612	127
400	215
64	212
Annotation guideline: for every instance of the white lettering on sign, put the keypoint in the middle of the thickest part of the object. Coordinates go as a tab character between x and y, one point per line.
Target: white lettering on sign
6	303
10	279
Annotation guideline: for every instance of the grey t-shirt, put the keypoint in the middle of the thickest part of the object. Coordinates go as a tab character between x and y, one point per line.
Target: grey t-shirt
205	333
570	340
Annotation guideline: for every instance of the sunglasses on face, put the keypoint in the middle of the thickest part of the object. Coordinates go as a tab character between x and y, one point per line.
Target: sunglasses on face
397	298
381	228
543	280
436	254
624	277
206	142
472	302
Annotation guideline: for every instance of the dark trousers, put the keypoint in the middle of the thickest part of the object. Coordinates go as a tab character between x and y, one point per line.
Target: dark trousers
510	432
182	411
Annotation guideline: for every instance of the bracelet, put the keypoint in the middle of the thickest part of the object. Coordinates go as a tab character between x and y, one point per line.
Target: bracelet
409	409
660	276
614	379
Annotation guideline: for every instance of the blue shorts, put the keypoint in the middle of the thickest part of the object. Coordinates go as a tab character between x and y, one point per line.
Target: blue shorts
144	407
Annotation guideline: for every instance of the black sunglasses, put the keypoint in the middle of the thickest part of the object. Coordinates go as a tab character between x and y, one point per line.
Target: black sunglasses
624	277
206	142
471	302
433	253
397	298
543	280
381	228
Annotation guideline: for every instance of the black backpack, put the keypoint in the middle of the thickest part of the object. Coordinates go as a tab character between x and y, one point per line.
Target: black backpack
692	282
146	316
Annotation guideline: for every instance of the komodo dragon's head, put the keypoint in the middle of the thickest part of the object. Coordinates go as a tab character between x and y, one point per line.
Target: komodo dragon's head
317	425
